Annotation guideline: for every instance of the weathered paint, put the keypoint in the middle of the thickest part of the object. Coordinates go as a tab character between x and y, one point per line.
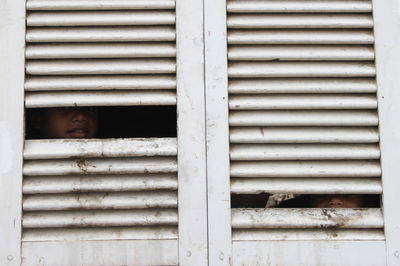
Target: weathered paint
300	218
99	183
119	252
308	185
100	148
306	253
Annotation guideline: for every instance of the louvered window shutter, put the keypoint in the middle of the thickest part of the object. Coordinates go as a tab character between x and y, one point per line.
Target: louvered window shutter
100	194
272	96
111	201
301	90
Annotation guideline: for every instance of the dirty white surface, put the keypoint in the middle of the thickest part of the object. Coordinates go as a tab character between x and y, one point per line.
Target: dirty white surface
12	32
387	32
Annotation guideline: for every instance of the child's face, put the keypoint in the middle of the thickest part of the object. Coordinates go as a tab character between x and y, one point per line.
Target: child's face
65	123
336	201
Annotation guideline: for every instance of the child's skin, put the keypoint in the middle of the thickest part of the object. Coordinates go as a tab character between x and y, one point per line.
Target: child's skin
336	201
67	123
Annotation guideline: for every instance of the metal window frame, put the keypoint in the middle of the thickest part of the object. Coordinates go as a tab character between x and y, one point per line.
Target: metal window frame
217	115
192	183
387	31
12	76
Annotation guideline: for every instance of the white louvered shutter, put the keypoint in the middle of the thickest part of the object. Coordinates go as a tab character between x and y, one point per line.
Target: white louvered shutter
303	120
300	117
100	201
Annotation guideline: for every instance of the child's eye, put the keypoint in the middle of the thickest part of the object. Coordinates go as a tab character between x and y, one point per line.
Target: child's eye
64	109
90	109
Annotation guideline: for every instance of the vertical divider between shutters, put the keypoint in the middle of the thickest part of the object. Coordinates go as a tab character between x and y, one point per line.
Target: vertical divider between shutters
387	32
192	183
217	112
12	42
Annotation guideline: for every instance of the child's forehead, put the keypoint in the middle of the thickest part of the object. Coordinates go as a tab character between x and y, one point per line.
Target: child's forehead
56	110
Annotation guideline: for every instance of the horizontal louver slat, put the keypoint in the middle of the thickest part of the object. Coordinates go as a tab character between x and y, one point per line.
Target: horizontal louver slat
263	21
100	67
307	218
299	53
100	34
285	36
100	166
117	233
60	149
99	183
104	98
51	5
106	50
300	69
100	218
100	201
302	85
303	118
297	6
99	18
301	101
302	169
330	234
304	135
273	152
111	82
307	185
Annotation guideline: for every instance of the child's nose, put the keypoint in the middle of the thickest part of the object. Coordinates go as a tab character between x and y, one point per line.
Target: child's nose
79	115
336	202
